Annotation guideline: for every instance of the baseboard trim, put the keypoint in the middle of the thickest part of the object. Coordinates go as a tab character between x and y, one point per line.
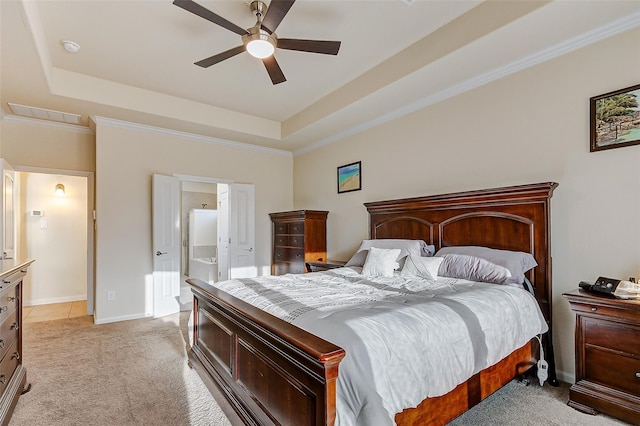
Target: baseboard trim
118	319
566	377
48	301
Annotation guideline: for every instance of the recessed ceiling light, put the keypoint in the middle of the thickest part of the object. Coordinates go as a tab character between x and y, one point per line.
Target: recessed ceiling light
70	46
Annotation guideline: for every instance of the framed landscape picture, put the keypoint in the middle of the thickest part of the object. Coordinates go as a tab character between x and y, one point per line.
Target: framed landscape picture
615	119
350	177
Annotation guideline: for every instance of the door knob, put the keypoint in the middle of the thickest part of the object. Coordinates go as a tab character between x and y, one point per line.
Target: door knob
160	253
250	249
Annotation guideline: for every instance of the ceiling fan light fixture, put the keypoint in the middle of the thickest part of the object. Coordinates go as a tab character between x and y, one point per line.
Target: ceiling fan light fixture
260	45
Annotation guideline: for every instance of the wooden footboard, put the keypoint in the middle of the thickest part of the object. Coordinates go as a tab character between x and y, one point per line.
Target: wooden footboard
270	371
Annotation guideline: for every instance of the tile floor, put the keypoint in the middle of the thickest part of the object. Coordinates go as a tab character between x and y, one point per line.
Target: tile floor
54	311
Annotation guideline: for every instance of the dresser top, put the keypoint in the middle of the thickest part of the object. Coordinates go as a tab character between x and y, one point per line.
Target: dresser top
9	266
583	296
322	214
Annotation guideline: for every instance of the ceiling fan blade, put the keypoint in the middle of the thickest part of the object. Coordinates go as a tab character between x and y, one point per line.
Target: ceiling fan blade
212	60
313	46
276	74
205	13
275	14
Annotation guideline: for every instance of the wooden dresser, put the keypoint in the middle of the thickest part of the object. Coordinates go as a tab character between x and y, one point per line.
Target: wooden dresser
607	356
13	376
298	236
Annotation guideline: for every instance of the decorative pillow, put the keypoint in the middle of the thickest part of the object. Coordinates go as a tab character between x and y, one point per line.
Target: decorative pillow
425	267
474	269
407	247
380	262
517	262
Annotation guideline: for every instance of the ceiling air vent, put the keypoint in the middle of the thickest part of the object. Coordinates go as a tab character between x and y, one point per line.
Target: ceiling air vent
44	114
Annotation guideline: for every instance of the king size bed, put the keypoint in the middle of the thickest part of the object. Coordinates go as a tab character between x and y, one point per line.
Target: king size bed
273	366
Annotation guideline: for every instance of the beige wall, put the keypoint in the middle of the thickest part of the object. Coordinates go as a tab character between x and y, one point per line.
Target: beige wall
29	143
127	157
530	127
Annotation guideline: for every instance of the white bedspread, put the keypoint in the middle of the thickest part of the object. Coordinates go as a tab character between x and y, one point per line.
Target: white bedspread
405	340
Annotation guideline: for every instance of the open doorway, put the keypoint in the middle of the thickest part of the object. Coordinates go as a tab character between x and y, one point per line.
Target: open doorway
235	245
55	227
199	219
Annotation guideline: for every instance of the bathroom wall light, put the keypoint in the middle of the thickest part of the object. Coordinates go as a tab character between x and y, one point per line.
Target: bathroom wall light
59	189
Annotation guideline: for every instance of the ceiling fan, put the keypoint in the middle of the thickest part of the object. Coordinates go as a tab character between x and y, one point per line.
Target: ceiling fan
260	40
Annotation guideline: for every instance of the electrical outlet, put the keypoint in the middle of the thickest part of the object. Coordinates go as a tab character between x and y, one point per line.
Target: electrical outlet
111	295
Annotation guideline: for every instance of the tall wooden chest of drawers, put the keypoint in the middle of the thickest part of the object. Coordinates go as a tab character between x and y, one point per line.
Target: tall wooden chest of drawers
607	356
298	236
13	376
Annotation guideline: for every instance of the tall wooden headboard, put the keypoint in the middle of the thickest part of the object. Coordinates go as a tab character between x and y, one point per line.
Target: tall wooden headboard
511	218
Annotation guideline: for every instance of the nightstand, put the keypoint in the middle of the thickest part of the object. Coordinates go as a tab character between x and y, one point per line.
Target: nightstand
321	266
607	348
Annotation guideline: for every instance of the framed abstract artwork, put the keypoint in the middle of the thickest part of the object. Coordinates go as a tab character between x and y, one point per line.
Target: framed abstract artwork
350	177
615	119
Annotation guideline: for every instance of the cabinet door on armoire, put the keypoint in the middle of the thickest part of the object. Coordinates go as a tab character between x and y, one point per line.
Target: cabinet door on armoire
297	237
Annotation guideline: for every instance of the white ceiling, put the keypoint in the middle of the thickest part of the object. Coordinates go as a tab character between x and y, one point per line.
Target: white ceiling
136	60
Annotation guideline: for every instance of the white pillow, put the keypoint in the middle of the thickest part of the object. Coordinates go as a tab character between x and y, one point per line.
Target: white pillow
380	262
425	267
407	248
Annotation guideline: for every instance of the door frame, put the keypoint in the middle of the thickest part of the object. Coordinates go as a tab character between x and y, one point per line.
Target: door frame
91	220
201	179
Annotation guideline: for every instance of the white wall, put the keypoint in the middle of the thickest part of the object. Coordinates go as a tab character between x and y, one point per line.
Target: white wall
127	156
60	249
530	127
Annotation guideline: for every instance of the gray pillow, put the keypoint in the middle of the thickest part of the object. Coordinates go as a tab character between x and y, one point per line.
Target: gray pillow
473	268
517	262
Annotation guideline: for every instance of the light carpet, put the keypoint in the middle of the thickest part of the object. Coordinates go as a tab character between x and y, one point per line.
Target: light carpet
125	373
136	373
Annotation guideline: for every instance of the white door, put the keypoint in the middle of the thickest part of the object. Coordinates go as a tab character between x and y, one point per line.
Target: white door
166	245
223	232
242	231
8	211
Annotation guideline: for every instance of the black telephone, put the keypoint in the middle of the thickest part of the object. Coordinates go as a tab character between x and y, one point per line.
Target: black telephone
602	285
617	288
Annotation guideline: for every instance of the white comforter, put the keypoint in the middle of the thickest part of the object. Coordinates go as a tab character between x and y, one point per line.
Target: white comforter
405	339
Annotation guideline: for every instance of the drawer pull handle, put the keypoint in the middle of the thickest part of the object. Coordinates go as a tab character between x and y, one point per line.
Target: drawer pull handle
593	309
637	374
4	309
1	344
15	326
11	298
24	271
3	379
6	281
16	355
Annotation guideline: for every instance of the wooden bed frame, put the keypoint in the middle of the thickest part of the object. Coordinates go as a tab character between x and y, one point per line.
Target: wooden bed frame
274	373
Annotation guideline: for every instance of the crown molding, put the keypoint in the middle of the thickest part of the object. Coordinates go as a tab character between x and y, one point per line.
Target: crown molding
46	123
98	120
609	30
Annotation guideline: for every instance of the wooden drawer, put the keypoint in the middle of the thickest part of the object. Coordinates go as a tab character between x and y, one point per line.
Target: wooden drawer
281	268
8	332
608	334
289	241
289	228
286	254
8	365
8	302
613	370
